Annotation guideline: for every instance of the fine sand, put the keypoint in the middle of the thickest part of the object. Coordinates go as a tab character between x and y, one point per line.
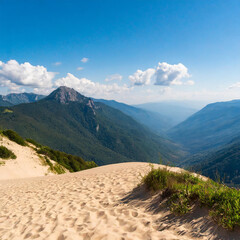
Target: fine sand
27	163
100	203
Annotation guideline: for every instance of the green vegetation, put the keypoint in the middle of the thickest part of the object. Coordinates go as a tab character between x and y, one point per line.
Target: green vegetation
5	153
213	126
68	161
223	162
55	168
33	142
183	190
72	128
13	136
63	160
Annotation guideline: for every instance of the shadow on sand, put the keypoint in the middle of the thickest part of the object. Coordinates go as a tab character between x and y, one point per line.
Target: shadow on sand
197	224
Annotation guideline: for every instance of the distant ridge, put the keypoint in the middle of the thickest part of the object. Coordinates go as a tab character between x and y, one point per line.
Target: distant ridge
153	120
213	126
18	98
4	102
70	122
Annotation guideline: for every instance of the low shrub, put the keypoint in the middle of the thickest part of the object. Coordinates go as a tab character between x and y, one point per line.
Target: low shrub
70	162
13	136
33	142
184	190
5	153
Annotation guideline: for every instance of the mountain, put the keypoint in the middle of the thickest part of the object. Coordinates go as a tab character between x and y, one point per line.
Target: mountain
213	126
18	98
67	121
175	112
223	162
153	120
3	102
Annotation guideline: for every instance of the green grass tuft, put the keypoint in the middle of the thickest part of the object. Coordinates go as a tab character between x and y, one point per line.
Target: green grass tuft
184	189
5	153
55	168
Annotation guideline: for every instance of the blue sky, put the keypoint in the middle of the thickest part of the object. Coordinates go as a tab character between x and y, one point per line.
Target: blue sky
183	49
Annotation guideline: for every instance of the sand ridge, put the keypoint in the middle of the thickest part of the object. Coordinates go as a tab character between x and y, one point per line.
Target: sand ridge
27	164
100	203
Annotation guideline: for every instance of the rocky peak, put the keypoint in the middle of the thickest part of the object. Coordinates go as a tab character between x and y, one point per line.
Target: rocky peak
65	95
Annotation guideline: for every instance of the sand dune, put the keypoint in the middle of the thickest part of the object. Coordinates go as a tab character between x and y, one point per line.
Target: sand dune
27	163
101	203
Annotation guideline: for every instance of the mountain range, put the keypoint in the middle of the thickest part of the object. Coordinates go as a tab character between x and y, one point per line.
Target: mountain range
222	163
3	102
18	98
153	120
212	136
174	112
106	131
68	121
213	126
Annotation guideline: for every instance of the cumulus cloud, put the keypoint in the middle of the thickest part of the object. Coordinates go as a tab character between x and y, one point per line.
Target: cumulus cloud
113	77
167	74
57	63
84	60
164	75
80	68
142	77
14	75
88	87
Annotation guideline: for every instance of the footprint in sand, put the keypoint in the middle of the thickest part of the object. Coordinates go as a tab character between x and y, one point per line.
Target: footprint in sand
134	214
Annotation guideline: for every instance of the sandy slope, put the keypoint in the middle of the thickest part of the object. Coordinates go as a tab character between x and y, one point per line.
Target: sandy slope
27	163
100	203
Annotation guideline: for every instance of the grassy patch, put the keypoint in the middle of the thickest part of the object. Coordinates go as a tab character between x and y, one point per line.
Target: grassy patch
183	190
70	162
55	168
5	153
62	159
13	136
7	111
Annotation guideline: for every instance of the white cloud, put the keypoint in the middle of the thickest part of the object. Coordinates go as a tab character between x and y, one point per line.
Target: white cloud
43	91
164	75
84	60
88	87
113	77
14	75
57	63
142	77
235	85
80	68
167	74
